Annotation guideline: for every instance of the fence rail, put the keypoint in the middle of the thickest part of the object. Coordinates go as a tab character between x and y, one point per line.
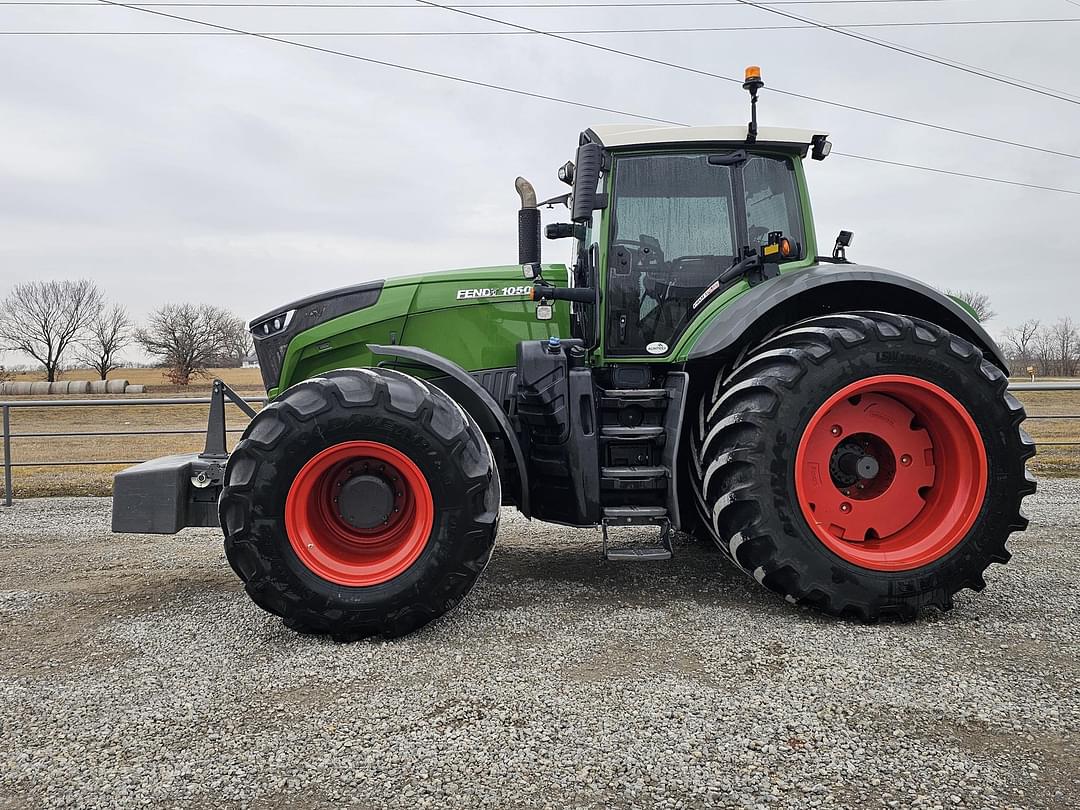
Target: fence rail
6	407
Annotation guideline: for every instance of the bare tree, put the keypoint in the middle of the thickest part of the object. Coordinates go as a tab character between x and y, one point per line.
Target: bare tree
1066	346
237	343
44	319
978	301
1019	344
6	375
188	338
106	337
1042	352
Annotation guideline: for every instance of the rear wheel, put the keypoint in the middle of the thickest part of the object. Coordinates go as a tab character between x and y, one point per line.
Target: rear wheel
867	464
358	503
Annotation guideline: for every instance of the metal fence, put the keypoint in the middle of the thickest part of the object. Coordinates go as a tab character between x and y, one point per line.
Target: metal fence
10	463
7	407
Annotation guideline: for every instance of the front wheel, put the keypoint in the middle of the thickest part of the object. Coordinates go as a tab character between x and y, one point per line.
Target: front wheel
358	503
867	464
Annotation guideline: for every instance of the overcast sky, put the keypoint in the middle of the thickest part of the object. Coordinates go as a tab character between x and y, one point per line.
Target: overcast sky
235	171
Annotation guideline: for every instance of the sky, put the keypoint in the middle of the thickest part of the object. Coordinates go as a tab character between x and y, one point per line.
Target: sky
248	173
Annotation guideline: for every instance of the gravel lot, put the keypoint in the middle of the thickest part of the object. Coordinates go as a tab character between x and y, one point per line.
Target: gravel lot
135	672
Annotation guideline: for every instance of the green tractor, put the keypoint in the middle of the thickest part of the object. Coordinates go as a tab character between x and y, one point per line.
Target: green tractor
842	433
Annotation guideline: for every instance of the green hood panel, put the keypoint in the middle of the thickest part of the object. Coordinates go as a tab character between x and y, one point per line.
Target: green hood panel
474	317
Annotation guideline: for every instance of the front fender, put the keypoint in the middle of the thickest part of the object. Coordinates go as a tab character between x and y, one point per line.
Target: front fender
474	398
825	288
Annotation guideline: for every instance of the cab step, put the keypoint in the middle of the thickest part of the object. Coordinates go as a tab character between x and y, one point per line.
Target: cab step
633	478
638	516
636	432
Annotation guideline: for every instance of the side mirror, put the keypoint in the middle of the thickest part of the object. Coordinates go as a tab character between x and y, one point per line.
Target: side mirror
843	242
590	160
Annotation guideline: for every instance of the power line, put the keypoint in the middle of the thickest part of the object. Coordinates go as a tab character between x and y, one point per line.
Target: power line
369	60
688	30
567	6
697	71
529	94
955	174
892	46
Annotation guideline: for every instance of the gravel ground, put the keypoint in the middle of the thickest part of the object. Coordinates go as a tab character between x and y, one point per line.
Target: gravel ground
135	672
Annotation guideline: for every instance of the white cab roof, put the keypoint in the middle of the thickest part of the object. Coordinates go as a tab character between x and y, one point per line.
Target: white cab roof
616	135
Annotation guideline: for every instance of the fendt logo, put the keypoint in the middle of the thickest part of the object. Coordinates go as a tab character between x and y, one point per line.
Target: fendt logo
494	292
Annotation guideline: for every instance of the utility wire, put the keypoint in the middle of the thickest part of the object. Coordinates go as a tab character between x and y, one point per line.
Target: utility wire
369	60
711	75
554	99
954	174
892	46
567	6
688	30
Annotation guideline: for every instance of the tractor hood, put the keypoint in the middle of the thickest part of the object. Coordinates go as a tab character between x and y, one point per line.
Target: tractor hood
474	317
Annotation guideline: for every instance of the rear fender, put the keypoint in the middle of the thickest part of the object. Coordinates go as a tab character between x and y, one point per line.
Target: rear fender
825	288
475	399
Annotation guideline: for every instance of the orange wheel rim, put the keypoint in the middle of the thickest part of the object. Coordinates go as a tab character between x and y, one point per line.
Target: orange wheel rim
891	473
359	513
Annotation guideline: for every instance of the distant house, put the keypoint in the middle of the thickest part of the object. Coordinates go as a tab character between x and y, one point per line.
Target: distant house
250	361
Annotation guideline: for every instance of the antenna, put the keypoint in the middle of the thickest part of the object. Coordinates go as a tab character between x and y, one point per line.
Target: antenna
753	83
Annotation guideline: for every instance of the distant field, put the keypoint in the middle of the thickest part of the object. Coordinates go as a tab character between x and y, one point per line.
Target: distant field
97	480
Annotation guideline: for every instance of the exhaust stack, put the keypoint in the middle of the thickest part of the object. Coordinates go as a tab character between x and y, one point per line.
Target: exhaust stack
528	223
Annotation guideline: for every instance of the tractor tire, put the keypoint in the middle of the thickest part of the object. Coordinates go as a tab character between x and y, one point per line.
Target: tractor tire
700	523
866	464
362	502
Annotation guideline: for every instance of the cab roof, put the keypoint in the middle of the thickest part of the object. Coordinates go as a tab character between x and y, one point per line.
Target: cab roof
616	136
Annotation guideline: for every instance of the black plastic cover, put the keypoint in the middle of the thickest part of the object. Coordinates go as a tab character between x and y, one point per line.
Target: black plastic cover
529	236
273	331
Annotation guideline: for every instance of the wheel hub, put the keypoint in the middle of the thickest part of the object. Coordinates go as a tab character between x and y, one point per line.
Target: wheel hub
366	501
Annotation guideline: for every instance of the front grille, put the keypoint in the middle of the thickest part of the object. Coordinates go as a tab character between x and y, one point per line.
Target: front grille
274	331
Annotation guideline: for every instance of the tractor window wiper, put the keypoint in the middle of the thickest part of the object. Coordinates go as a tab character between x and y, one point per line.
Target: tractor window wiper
750	260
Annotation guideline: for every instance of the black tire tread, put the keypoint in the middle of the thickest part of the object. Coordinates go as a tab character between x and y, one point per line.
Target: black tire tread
342	392
737	414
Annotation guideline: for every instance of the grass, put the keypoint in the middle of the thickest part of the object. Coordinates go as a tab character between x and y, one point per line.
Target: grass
97	480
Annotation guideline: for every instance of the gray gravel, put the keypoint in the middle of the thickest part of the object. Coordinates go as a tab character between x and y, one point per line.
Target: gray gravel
135	672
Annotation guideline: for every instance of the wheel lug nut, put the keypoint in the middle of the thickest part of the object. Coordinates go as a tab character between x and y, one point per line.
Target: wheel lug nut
845	507
836	430
905	459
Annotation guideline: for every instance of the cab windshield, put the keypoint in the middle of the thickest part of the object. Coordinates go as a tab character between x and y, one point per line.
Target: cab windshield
680	220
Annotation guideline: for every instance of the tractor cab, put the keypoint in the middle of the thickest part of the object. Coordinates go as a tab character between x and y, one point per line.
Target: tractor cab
684	214
667	219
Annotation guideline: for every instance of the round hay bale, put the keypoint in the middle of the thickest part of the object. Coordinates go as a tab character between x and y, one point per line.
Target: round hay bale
135	389
79	387
115	386
18	388
39	388
58	388
98	386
